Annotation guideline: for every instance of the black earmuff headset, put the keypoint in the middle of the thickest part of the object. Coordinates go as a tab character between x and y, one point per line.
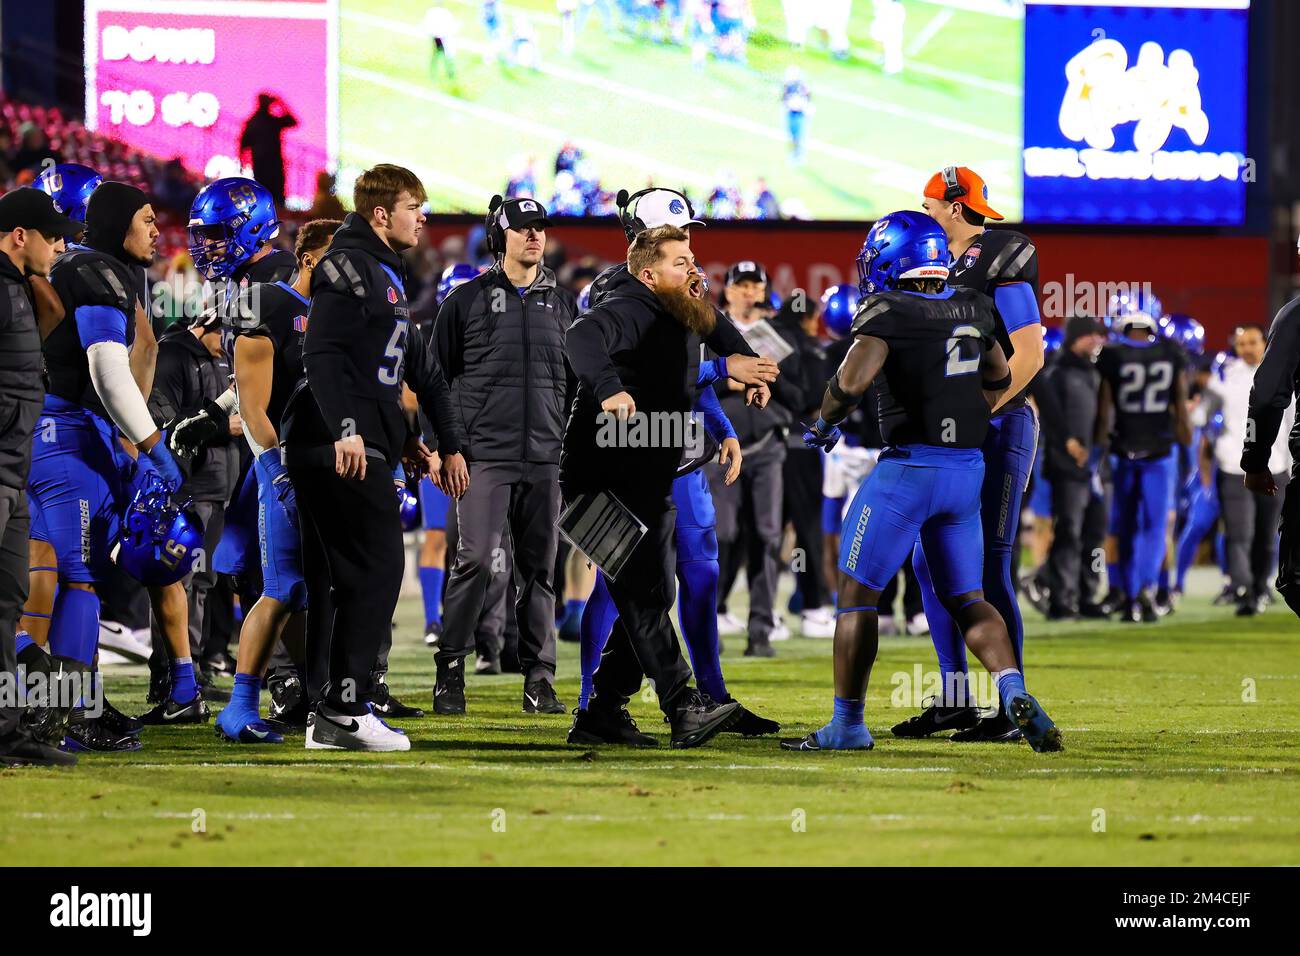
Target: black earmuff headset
952	190
632	224
496	241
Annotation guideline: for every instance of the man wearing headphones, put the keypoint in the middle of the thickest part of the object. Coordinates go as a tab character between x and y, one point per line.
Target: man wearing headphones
500	340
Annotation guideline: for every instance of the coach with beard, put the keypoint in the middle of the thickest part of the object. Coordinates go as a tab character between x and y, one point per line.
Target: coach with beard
637	353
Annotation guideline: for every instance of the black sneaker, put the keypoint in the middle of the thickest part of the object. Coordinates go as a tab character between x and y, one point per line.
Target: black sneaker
698	717
1115	600
539	698
173	712
92	736
1061	612
997	729
601	725
289	709
433	635
936	719
386	705
114	721
487	666
760	649
1092	611
160	687
750	724
222	662
65	681
449	687
1225	597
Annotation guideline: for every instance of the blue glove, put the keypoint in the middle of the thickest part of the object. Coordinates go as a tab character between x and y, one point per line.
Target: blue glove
272	463
822	435
165	464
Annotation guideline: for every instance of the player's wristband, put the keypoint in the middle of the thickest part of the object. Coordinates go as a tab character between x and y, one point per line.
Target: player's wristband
837	393
999	385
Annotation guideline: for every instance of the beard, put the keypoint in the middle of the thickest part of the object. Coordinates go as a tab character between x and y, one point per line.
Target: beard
688	308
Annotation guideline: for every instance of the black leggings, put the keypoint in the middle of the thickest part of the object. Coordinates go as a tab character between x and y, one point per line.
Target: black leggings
352	562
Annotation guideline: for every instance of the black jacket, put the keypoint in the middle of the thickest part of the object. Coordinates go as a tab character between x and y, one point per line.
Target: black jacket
185	377
503	356
22	389
754	424
1276	380
628	342
359	348
1066	395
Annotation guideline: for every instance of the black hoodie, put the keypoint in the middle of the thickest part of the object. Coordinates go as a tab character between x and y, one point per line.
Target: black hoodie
21	388
628	342
359	348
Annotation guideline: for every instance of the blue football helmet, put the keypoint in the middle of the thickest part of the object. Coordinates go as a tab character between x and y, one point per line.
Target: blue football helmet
70	186
902	245
159	541
409	507
230	220
584	297
1184	330
1053	339
454	275
1140	308
839	305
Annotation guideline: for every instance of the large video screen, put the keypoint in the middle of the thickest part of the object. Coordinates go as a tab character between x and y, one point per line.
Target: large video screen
818	109
178	78
1136	113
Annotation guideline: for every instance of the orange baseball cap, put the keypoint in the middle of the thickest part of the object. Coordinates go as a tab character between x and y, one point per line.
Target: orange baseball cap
960	184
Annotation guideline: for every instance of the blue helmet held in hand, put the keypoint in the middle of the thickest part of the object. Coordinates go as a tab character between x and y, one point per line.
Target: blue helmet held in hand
70	186
159	541
454	275
409	507
1184	330
839	305
230	220
902	245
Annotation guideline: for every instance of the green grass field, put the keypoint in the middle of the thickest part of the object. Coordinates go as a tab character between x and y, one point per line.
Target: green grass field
1158	738
640	110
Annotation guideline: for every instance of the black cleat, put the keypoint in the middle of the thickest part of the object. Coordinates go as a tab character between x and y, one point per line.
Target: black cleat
539	698
449	687
1092	611
1061	612
386	705
1226	596
288	711
698	717
760	649
995	729
89	735
174	712
750	724
601	725
114	721
485	666
433	635
936	719
810	743
22	750
1115	600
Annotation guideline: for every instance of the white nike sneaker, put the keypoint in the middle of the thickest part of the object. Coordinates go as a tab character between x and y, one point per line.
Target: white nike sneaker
819	622
730	624
132	645
328	730
918	625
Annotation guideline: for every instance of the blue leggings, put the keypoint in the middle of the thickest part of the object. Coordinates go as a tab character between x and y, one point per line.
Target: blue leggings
1143	496
1202	513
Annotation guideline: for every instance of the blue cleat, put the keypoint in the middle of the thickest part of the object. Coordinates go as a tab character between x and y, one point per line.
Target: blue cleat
237	729
1029	716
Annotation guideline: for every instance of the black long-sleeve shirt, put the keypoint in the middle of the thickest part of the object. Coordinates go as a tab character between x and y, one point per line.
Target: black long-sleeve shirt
1276	380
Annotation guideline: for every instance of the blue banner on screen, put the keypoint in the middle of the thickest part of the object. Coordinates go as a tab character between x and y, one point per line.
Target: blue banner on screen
1135	113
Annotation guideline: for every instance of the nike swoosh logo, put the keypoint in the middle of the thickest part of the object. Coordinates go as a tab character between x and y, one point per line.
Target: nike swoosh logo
259	734
940	721
531	699
174	714
351	726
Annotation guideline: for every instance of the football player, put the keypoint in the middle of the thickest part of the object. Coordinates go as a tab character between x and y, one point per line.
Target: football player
1004	266
1143	402
943	371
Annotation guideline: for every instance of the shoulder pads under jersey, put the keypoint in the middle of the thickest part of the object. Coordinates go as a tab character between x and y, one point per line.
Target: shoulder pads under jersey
91	278
340	272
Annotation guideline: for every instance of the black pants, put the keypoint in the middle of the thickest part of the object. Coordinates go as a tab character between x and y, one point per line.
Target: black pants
15	524
1250	527
753	504
527	498
643	641
803	509
1066	559
1288	565
352	563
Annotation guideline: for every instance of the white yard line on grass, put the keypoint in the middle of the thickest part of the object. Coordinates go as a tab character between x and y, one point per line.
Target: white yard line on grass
927	32
813	765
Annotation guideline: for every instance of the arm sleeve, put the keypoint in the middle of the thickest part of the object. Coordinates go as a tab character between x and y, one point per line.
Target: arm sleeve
589	345
1017	305
424	375
325	351
725	339
716	422
1274	383
711	370
110	372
